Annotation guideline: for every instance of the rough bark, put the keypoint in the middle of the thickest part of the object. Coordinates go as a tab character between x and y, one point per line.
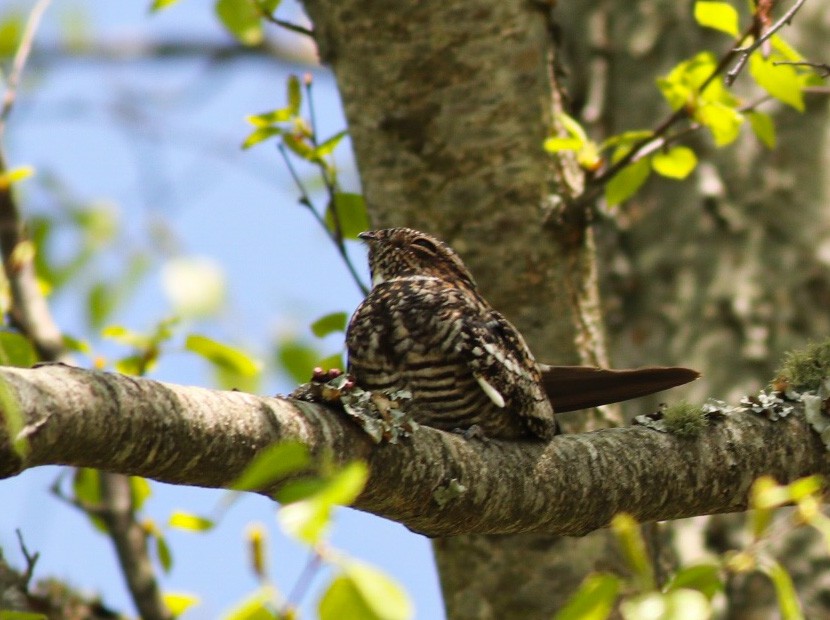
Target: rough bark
570	486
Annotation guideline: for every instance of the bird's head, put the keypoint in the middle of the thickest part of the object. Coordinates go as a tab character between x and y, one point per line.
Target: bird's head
401	252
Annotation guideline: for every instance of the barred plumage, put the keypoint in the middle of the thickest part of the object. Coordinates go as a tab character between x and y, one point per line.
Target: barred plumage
424	327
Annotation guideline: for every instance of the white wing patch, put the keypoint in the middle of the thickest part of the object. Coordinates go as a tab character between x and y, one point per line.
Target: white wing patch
510	364
491	392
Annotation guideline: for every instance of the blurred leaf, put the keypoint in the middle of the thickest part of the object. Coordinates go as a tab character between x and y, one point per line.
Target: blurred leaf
556	144
351	211
724	121
10	177
335	360
78	346
222	355
295	95
781	82
195	286
104	298
271	464
163	552
159	5
329	324
718	15
242	20
788	603
593	601
140	490
362	592
189	522
99	223
134	365
297	359
7	614
763	127
16	350
11	32
257	545
310	519
296	490
257	606
783	48
260	135
179	602
675	163
804	487
100	304
704	578
86	485
626	182
767	493
327	147
299	145
267	119
269	6
675	605
12	418
627	531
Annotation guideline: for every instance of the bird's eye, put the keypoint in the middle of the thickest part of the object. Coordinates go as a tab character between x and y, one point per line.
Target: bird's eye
426	244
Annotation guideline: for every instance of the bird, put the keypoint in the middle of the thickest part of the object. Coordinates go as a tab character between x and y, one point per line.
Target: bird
424	327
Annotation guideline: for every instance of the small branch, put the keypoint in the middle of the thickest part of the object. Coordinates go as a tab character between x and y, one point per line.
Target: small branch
821	68
745	52
283	23
31	560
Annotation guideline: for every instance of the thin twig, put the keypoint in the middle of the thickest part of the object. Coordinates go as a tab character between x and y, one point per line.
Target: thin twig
822	68
31	560
24	48
283	23
303	583
745	52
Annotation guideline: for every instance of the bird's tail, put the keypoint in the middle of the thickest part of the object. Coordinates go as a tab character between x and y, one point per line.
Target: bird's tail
580	387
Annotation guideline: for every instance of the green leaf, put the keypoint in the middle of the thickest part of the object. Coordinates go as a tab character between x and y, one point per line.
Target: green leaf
296	490
593	601
310	519
86	485
10	177
556	144
788	603
781	82
351	212
12	418
675	605
763	127
159	5
140	490
626	182
704	578
362	592
718	15
16	350
723	120
100	304
297	359
189	522
222	355
7	614
179	602
630	539
299	145
295	94
269	6
260	135
675	163
241	19
11	32
271	464
335	360
257	606
329	324
266	119
163	553
327	147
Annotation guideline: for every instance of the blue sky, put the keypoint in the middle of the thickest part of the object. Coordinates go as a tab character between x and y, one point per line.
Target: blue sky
158	142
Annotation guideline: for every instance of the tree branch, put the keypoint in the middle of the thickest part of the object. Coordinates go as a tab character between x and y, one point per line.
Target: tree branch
571	486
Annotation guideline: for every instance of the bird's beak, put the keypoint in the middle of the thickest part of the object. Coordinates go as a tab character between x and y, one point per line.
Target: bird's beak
369	235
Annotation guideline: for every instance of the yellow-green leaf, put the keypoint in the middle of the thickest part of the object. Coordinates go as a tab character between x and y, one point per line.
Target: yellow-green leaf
718	15
295	95
271	464
626	182
241	19
780	81
260	135
266	119
723	120
675	163
297	359
222	355
257	606
189	522
593	601
10	177
351	213
362	592
163	553
140	490
16	350
329	324
763	127
159	5
630	539
704	578
788	603
179	602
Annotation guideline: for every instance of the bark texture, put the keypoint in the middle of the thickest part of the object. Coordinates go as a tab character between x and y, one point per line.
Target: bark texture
569	486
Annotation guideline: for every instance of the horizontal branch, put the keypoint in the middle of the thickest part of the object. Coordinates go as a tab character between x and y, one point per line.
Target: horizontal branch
436	483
